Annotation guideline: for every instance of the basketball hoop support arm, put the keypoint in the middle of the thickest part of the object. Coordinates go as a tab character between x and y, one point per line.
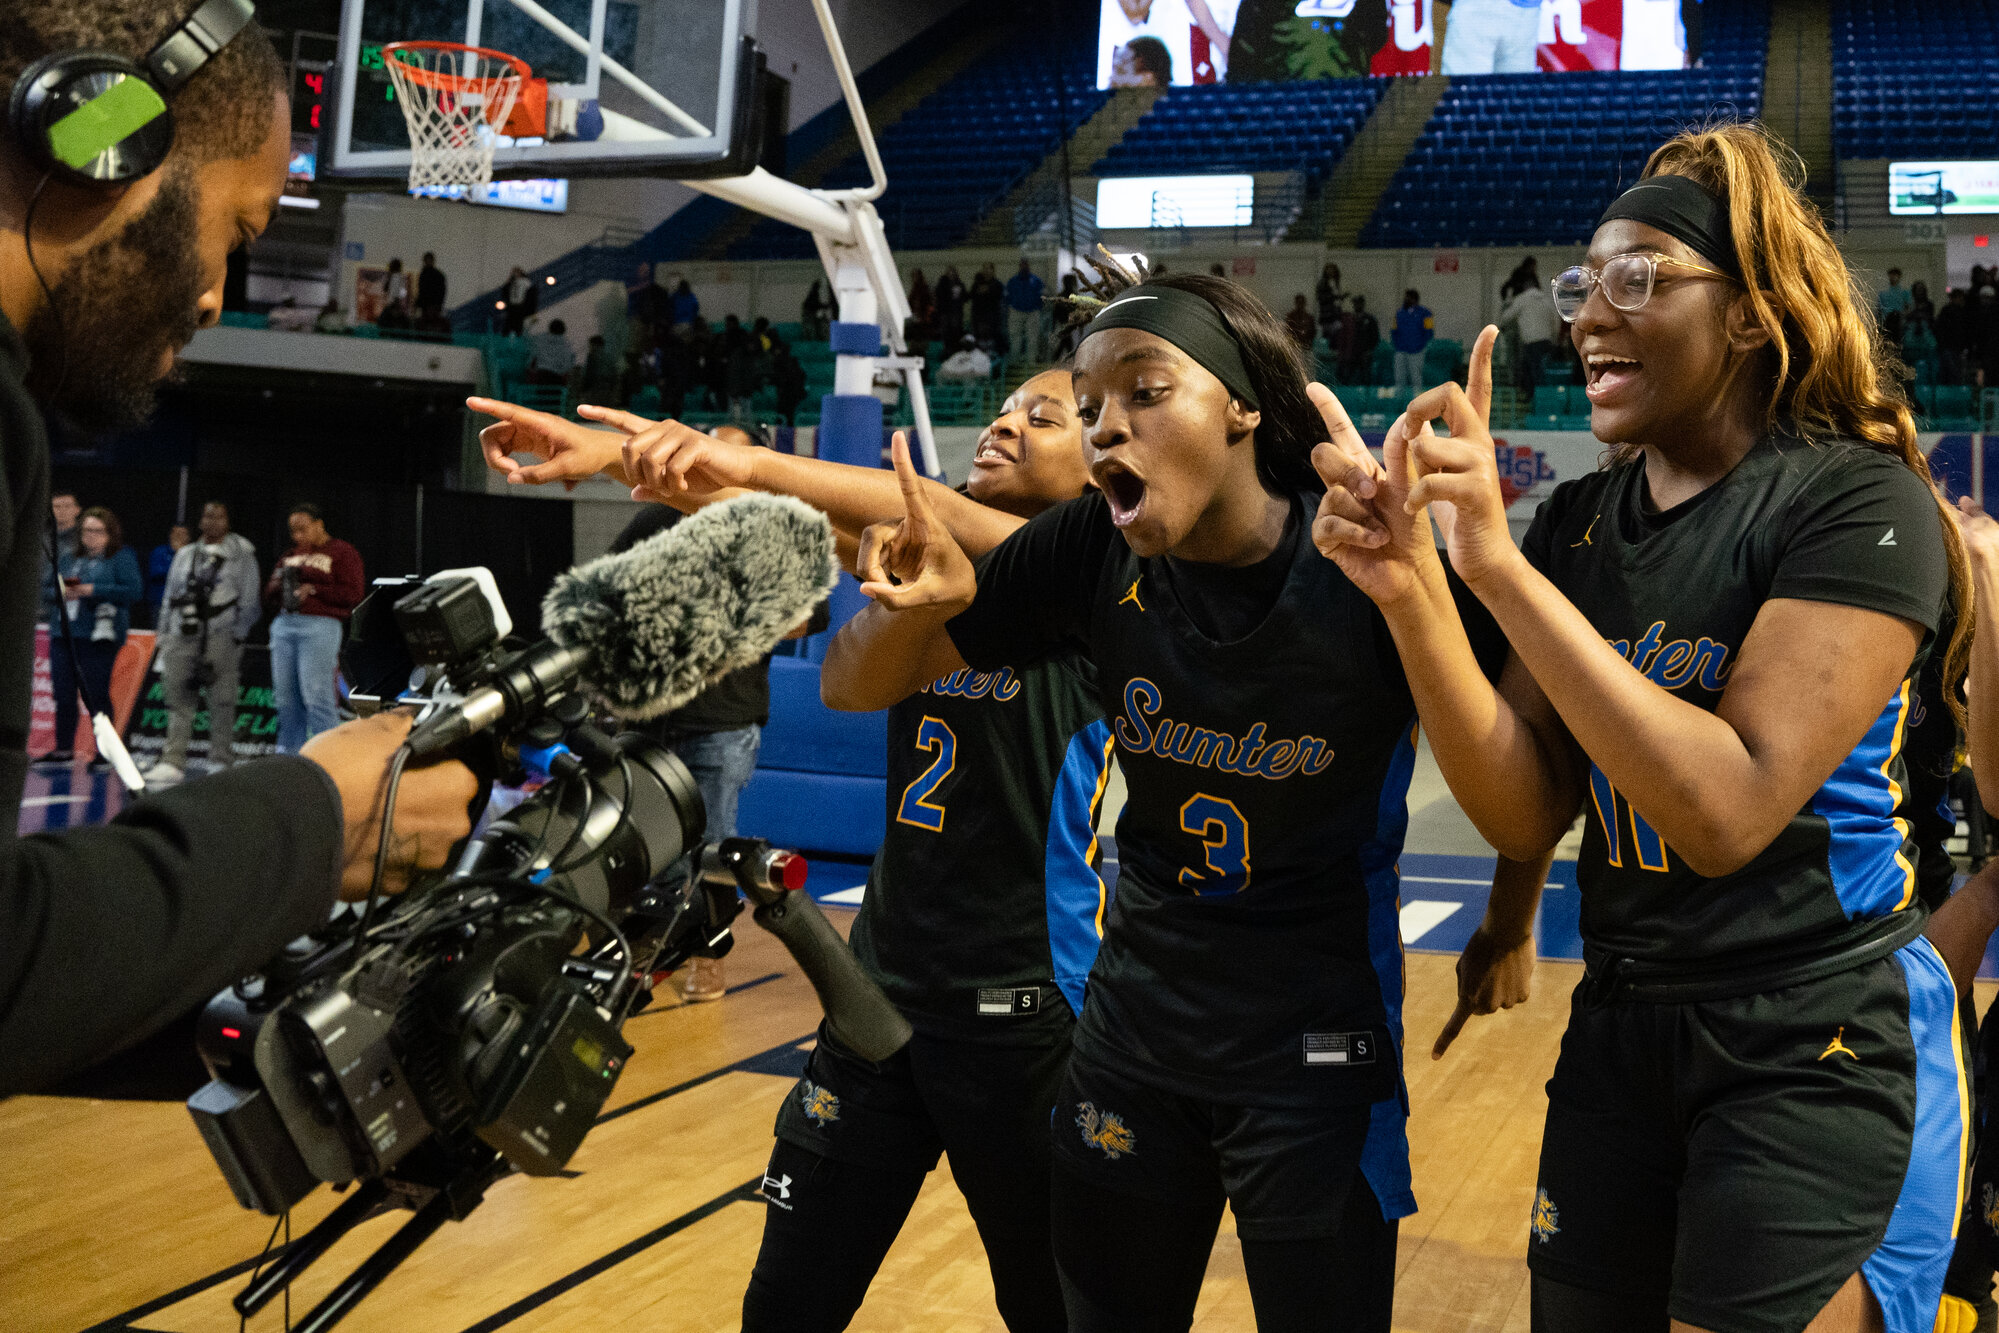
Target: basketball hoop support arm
853	248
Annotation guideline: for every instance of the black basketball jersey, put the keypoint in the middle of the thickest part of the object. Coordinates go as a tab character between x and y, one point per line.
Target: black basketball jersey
1676	593
984	906
1252	954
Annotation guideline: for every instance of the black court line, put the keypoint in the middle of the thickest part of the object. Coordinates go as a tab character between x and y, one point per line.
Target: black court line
784	1060
743	1193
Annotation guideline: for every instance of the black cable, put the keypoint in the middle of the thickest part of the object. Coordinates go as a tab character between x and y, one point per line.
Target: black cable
284	1220
624	820
48	292
396	764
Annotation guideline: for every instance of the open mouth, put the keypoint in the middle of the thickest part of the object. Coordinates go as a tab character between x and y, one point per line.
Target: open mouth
1124	489
1608	373
992	453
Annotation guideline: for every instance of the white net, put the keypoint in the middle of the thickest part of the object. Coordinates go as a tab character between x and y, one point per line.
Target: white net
454	100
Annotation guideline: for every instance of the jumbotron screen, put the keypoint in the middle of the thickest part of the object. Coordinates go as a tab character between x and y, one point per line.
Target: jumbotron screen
1157	43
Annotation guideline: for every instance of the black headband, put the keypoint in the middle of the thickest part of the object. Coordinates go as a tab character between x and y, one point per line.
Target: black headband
1682	208
1189	323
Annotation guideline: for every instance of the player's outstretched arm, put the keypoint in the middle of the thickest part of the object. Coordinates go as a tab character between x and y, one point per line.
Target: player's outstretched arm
566	451
919	579
666	459
1496	969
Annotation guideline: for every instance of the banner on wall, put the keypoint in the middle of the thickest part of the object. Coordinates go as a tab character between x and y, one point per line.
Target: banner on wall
126	673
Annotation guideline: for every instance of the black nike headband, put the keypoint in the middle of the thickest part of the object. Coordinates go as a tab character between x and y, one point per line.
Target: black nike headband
1188	322
1684	209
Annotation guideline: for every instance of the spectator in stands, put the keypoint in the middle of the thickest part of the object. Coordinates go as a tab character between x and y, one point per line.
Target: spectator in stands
988	298
600	374
1023	314
330	319
950	297
1919	341
1329	296
99	582
197	629
1487	36
680	370
739	362
1298	320
787	377
1357	358
1920	306
550	357
686	305
1525	274
1985	337
430	288
395	312
648	310
1894	298
158	563
314	588
519	298
1530	315
817	312
922	322
1415	326
1953	333
966	365
64	509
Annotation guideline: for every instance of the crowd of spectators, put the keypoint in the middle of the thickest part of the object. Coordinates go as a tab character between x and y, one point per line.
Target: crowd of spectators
202	595
694	366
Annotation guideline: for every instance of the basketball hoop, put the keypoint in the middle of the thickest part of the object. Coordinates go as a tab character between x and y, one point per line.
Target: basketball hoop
455	100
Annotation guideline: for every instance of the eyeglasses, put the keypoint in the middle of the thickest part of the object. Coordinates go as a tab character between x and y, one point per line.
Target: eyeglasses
1626	281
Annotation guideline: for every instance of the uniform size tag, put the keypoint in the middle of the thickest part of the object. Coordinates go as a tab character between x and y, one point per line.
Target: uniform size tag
1009	1001
1339	1048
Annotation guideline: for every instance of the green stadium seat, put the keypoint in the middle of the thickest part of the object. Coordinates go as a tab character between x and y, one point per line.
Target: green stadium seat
1551	400
541	397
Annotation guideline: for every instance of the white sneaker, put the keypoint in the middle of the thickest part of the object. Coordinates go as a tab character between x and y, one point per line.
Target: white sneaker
163	775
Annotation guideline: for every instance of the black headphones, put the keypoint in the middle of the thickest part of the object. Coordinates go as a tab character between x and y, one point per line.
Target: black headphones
95	118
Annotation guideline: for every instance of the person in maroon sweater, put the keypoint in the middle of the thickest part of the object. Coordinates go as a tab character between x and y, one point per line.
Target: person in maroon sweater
314	588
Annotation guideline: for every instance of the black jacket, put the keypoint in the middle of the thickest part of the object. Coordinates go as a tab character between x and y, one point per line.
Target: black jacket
108	933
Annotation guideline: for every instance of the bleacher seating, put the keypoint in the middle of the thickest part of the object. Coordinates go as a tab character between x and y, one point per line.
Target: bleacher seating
1914	78
1532	159
1246	127
961	150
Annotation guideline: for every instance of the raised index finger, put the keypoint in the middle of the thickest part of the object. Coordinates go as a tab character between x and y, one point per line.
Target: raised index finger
1478	380
1341	434
914	502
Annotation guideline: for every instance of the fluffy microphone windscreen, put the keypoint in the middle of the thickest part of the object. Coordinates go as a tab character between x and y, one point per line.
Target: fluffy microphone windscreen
685	607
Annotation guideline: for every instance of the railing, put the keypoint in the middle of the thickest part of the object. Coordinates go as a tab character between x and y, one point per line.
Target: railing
1052	218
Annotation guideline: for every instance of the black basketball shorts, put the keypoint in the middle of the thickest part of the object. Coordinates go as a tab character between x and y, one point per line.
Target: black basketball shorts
1735	1161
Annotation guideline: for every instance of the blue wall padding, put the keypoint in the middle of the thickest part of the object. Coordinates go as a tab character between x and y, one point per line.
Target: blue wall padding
806	735
814	812
850	429
855	339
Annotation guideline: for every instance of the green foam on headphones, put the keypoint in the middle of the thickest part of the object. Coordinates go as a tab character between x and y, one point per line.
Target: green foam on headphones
105	120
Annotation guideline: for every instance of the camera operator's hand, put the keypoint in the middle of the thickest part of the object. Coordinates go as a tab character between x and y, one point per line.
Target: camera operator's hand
571	453
430	805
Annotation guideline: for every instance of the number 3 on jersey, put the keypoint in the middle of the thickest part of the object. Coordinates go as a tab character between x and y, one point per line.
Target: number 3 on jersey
917	808
1224	836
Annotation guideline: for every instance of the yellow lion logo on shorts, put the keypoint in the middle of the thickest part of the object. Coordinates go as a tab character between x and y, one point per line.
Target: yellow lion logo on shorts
821	1107
1544	1218
1105	1130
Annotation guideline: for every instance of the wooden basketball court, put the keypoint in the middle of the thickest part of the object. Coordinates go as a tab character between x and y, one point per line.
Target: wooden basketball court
112	1215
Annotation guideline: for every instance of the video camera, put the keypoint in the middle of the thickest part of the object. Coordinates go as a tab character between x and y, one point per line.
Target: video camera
473	1027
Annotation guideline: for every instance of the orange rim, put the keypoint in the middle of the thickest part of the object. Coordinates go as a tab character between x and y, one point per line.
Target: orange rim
454	83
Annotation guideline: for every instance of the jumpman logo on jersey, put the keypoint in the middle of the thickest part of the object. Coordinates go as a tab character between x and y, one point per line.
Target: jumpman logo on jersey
1586	541
1131	595
1838	1046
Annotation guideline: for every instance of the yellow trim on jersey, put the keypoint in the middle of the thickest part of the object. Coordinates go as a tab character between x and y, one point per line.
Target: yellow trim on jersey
1963	1100
1895	795
1096	812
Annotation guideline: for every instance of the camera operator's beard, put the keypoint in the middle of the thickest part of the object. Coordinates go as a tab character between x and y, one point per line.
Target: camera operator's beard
96	347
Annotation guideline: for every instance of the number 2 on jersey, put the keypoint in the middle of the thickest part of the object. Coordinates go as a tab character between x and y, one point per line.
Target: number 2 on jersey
1224	836
1610	805
917	808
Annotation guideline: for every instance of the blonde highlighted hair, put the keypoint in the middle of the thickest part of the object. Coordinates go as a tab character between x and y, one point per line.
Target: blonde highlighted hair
1833	376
